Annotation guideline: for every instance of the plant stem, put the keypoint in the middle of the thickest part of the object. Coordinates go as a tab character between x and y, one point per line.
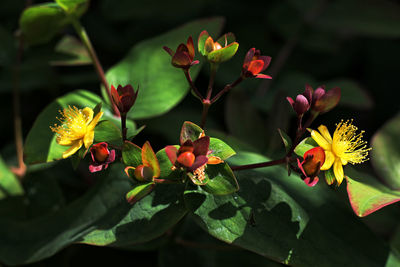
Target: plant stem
123	127
96	63
226	89
19	143
192	86
259	165
213	72
206	107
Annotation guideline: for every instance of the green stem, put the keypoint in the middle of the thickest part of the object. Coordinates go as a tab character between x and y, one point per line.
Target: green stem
213	72
206	107
19	143
99	69
123	127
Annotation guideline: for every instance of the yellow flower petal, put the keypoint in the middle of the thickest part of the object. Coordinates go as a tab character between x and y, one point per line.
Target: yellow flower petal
321	141
94	122
64	141
329	159
70	151
88	113
88	139
338	171
325	133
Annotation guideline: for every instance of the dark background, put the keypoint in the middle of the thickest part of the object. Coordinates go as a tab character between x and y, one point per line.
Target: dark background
309	41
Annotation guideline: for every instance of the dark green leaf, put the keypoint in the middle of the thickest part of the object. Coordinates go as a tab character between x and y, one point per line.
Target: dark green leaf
385	154
139	192
74	51
40	23
131	154
282	218
147	65
222	181
107	131
287	141
9	185
305	145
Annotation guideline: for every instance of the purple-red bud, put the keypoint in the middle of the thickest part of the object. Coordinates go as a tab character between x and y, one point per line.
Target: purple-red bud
323	101
254	63
313	159
124	97
184	55
300	106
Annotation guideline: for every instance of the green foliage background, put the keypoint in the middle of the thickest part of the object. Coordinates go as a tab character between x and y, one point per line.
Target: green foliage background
350	44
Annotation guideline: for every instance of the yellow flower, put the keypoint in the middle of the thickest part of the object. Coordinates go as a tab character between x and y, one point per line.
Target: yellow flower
76	129
345	147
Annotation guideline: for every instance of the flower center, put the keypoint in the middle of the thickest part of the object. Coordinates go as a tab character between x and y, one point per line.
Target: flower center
348	145
73	125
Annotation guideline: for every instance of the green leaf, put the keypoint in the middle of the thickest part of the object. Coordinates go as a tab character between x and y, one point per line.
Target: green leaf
223	54
149	158
385	155
330	176
74	7
74	51
40	23
147	65
367	194
220	149
139	192
131	154
40	144
101	216
190	131
305	145
222	181
9	185
287	141
107	131
146	220
166	165
281	218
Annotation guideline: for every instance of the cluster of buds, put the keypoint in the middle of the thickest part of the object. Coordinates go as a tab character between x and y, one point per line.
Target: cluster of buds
192	157
124	97
319	101
101	157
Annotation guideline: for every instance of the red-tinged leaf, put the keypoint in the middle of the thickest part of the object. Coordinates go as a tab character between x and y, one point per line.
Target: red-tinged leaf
226	39
201	41
139	192
190	131
130	171
223	54
263	76
171	152
367	194
149	159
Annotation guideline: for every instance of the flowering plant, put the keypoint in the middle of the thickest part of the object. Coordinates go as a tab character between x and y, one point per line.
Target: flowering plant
254	159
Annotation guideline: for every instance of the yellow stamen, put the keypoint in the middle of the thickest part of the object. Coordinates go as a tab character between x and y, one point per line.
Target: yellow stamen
346	146
76	128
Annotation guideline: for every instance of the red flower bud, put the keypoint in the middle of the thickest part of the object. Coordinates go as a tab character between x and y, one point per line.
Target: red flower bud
143	173
313	159
124	97
186	159
101	157
184	55
323	101
254	63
